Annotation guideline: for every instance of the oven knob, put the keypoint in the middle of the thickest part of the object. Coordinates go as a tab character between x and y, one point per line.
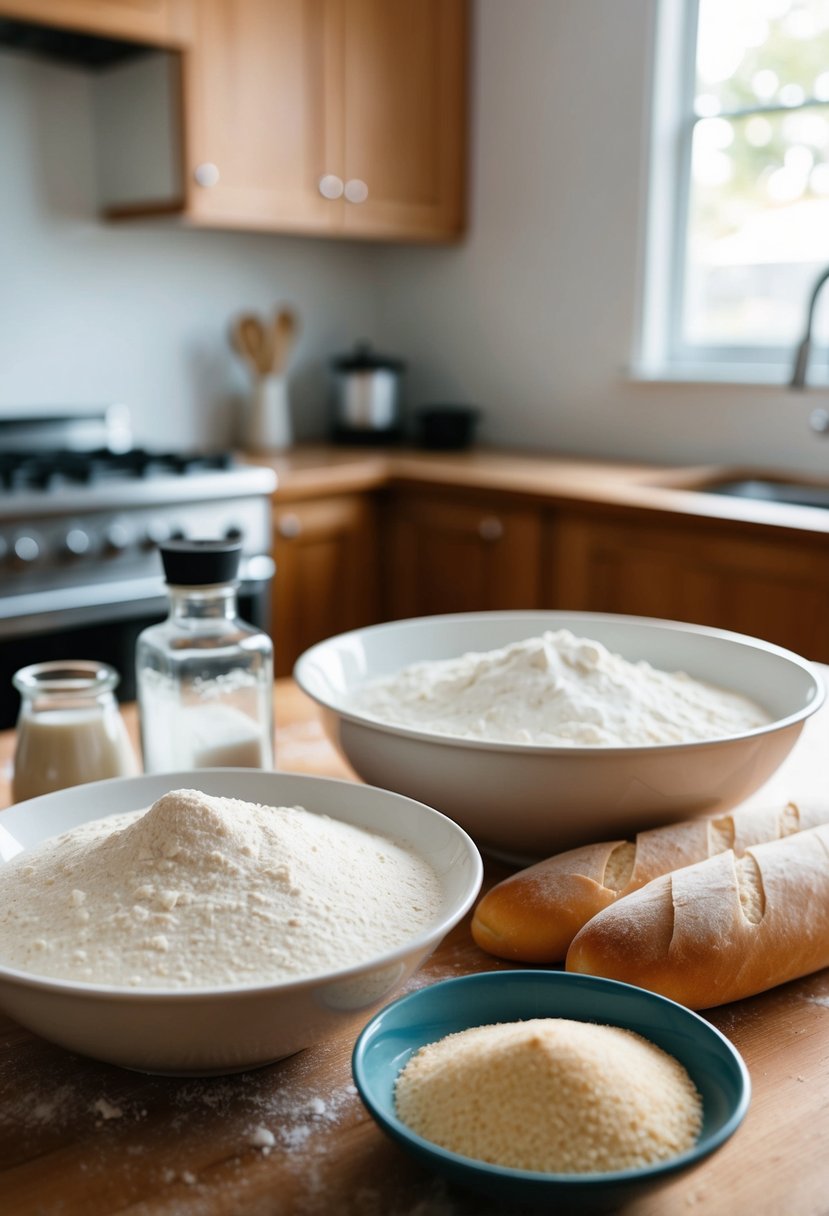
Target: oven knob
26	550
234	532
76	542
156	532
116	538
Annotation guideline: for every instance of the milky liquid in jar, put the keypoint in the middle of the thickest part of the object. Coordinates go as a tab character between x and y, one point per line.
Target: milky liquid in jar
69	730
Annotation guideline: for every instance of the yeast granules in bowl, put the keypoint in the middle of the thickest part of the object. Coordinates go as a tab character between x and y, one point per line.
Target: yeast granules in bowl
551	1095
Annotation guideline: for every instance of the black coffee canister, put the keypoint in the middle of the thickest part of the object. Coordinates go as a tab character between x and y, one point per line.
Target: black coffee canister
366	397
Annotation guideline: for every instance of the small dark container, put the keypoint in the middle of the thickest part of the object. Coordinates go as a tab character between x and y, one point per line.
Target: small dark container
446	427
366	398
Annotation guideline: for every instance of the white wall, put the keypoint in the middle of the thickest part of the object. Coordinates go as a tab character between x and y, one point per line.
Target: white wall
92	313
533	317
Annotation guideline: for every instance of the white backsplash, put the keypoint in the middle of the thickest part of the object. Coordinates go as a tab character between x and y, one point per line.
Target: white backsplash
138	312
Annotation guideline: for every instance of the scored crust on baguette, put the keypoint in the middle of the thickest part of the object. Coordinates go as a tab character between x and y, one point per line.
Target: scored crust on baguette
721	929
750	889
533	915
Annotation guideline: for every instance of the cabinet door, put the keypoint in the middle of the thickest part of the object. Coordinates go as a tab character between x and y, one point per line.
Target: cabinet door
257	134
154	21
773	589
449	555
404	114
326	572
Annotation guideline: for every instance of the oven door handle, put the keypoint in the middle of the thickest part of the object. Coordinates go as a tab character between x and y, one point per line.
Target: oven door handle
65	607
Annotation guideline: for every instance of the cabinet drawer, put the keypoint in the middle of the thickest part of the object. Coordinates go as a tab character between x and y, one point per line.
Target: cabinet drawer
702	573
460	555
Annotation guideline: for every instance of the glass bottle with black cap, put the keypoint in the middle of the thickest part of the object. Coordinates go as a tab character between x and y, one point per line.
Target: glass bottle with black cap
204	677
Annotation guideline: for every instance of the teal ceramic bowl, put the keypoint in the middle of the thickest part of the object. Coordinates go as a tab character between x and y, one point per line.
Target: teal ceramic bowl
404	1026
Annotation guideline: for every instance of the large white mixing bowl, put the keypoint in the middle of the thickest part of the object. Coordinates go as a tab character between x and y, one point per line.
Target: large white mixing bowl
522	801
230	1029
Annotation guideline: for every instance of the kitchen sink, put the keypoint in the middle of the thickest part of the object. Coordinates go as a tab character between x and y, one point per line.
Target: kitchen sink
799	494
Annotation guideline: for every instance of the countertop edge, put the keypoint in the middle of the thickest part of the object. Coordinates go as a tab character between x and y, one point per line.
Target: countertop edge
550	479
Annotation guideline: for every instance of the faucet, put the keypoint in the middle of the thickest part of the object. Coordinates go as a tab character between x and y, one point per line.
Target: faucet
819	418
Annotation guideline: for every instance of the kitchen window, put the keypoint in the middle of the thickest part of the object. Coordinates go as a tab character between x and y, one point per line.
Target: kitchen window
738	223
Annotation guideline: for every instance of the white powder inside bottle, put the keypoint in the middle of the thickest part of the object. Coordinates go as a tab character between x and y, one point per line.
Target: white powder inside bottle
557	690
202	892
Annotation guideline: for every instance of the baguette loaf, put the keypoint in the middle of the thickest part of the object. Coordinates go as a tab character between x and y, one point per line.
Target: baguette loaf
720	930
535	914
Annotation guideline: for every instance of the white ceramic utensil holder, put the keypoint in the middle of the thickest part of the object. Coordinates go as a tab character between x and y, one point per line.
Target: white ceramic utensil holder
268	421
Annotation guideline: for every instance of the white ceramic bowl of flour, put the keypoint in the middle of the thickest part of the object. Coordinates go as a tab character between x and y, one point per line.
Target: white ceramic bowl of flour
236	1026
525	800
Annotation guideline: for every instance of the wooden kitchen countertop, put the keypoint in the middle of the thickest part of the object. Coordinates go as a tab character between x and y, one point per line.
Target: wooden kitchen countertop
180	1147
309	471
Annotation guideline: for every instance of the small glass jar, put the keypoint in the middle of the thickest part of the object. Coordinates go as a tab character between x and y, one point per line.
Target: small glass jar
69	729
204	677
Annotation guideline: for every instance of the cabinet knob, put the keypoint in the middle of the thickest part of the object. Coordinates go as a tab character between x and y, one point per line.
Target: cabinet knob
490	528
331	186
356	191
206	175
819	421
289	526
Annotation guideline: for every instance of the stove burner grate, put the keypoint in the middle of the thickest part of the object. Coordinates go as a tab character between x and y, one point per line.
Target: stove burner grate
39	470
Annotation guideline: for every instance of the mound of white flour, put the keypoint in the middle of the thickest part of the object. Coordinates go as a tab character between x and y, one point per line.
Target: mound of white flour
556	690
202	892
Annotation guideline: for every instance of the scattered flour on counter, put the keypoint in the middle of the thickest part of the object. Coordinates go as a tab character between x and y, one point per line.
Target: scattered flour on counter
287	1118
202	892
261	1137
557	690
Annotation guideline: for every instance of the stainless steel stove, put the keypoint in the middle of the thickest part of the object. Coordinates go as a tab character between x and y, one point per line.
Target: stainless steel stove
82	512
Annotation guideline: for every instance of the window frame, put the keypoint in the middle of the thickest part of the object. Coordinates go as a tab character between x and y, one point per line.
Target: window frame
661	352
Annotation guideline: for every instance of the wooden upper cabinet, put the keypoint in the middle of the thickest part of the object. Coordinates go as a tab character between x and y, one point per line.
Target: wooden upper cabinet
257	136
329	117
404	116
165	22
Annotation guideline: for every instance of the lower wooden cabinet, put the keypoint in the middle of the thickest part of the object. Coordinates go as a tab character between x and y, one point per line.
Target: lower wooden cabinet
449	553
350	560
771	586
326	572
355	558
